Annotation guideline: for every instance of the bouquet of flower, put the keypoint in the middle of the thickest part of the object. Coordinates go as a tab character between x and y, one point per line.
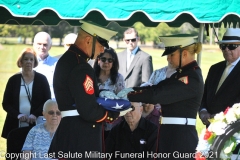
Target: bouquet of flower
216	128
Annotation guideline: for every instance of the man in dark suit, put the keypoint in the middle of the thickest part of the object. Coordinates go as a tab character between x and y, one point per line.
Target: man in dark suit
222	87
135	65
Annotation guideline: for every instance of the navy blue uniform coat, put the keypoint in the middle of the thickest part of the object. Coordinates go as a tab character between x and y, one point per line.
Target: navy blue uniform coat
177	99
77	133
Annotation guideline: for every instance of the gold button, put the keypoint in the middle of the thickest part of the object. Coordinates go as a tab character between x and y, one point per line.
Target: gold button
108	117
111	119
93	126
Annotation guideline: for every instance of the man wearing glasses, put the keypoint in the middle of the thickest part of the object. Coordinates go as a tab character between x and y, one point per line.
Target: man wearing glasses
136	65
133	135
222	87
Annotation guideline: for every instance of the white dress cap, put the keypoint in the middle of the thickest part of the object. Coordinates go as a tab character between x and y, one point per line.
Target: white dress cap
174	42
96	30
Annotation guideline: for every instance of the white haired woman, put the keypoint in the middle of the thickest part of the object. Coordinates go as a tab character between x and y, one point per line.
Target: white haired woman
40	136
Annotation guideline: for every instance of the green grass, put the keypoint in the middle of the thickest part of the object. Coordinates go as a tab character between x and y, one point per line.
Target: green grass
10	53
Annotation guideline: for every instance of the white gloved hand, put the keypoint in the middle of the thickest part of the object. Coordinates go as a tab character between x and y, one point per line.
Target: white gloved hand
146	84
108	94
123	93
122	113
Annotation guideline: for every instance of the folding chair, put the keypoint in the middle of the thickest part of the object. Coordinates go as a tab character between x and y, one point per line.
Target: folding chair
16	139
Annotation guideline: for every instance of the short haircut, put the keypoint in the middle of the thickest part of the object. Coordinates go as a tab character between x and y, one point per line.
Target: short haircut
48	104
131	30
23	53
42	33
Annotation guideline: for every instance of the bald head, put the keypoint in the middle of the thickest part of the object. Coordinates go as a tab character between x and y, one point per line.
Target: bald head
85	42
42	44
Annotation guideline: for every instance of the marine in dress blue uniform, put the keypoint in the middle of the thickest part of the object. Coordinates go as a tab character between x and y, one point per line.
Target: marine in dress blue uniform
180	97
75	87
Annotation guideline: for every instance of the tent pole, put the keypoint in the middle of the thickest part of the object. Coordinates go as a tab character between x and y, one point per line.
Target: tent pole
200	39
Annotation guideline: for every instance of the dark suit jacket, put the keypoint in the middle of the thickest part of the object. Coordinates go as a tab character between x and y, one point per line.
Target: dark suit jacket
228	93
40	94
139	71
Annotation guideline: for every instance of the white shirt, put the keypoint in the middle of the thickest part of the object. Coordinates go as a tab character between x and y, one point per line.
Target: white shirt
47	68
130	56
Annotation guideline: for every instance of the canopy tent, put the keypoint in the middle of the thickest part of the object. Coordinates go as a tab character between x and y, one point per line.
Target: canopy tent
124	12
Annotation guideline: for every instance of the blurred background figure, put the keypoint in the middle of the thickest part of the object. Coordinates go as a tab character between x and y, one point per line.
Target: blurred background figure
40	136
106	69
134	134
69	40
151	113
136	65
25	94
46	64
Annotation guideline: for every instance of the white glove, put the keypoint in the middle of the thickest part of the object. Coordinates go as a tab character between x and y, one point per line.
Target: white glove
122	113
123	93
146	84
108	94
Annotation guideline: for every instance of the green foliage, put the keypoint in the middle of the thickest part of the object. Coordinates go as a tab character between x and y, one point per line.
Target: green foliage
229	146
152	33
211	138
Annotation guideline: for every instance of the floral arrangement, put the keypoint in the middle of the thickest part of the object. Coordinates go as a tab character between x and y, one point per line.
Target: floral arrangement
216	128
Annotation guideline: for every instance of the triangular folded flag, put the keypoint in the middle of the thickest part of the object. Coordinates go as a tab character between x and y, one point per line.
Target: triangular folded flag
116	105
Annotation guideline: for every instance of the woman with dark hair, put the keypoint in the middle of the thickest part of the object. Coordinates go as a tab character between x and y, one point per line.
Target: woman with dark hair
106	69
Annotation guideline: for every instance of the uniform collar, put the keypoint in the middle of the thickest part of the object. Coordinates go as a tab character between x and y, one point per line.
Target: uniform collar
191	65
74	48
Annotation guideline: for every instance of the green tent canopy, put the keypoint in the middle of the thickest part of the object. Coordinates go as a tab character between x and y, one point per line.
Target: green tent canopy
124	12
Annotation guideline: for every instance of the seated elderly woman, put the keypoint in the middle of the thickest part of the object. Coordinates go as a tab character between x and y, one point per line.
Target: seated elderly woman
40	136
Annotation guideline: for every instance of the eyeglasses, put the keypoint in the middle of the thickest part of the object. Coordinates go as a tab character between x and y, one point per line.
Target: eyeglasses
133	108
104	59
132	40
58	113
230	46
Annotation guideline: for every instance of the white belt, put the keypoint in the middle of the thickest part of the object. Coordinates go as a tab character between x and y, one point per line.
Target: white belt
180	121
69	113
